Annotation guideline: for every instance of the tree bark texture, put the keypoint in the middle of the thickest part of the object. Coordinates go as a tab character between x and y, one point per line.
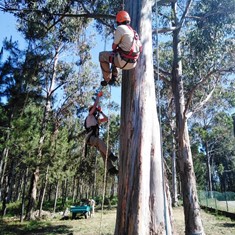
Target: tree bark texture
142	202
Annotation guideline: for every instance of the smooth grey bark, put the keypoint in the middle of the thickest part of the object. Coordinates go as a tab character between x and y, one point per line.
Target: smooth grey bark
142	201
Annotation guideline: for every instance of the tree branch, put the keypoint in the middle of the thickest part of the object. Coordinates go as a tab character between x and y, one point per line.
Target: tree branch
163	75
201	104
84	15
190	94
189	2
164	30
192	91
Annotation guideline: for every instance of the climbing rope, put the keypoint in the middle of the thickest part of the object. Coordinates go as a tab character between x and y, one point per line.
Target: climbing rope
123	5
107	151
105	164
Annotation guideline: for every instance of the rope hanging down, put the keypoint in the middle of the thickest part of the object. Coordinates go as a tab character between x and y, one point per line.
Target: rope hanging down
105	164
106	155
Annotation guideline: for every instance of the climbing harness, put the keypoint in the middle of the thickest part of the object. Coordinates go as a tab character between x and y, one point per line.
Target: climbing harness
132	55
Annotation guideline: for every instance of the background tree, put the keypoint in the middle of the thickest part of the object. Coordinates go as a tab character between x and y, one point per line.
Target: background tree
193	81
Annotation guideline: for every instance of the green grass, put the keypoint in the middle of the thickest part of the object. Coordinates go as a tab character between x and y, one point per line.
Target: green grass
99	223
104	224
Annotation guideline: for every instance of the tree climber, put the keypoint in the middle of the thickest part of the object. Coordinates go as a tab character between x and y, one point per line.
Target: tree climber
126	49
91	124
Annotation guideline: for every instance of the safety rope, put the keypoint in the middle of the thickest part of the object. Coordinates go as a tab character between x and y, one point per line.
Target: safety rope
159	117
105	164
123	5
106	154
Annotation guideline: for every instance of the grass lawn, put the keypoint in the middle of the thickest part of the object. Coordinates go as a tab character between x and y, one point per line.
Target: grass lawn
105	224
213	225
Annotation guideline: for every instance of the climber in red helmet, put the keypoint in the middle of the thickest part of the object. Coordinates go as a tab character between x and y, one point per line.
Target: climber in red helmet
126	48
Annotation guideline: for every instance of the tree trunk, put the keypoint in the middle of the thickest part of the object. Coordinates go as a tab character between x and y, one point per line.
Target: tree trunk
19	186
142	202
7	189
174	175
193	222
3	164
74	189
33	194
64	194
56	196
23	195
11	180
44	186
208	166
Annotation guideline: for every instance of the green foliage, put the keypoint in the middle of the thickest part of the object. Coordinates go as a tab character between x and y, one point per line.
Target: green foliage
13	209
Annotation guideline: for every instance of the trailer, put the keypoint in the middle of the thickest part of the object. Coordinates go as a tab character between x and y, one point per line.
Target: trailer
81	210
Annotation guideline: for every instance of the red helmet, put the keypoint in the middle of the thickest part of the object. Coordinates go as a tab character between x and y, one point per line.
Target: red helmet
122	16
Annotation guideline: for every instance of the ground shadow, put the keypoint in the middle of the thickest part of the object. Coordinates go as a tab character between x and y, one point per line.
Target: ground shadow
229	225
36	228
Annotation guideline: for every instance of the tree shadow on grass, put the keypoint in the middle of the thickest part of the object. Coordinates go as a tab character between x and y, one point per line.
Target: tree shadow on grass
33	228
229	225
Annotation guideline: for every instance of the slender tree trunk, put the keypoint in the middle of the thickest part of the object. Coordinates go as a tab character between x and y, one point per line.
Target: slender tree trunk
19	187
7	187
174	175
11	180
65	189
74	189
43	192
23	196
193	222
208	166
142	201
3	165
5	193
56	196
